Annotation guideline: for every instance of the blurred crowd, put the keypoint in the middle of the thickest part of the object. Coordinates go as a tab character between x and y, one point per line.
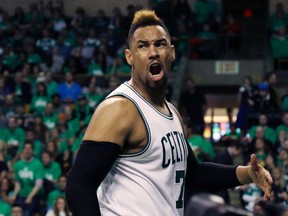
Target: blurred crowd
261	128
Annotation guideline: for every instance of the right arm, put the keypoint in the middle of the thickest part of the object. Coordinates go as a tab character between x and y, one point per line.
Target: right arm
103	140
17	188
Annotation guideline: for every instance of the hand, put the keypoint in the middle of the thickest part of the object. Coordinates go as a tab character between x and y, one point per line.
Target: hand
28	200
12	199
260	176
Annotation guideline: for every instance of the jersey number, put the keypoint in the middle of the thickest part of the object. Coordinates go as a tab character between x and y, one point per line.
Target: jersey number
180	174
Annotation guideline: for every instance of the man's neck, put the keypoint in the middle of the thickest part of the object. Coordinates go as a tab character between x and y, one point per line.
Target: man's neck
154	96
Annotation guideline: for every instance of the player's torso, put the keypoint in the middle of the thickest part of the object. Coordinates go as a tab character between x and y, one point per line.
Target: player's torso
151	181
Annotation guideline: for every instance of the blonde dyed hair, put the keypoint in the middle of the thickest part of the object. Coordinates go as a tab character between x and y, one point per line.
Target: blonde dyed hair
144	18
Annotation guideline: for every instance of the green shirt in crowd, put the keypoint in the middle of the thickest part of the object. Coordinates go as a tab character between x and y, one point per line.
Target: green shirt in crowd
94	99
5	208
201	147
13	137
53	195
51	87
26	173
282	128
50	120
269	133
39	103
53	171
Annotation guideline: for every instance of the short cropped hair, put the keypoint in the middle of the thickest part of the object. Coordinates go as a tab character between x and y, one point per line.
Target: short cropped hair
144	18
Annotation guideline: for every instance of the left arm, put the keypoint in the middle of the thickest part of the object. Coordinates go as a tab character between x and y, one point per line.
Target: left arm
36	188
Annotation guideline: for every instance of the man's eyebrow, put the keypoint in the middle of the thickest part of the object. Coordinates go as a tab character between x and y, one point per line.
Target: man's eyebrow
154	41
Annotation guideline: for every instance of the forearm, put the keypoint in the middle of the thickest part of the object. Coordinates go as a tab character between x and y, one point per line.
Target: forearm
35	189
209	177
212	177
81	194
17	189
93	162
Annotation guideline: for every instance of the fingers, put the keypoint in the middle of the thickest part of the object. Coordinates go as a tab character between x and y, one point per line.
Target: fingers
253	163
268	177
268	192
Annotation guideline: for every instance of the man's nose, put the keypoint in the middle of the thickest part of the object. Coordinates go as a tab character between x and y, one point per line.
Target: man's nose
153	52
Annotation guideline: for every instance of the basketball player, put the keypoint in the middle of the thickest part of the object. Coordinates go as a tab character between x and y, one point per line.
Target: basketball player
134	147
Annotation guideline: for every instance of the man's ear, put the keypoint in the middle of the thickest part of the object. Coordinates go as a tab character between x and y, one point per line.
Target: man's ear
173	52
128	57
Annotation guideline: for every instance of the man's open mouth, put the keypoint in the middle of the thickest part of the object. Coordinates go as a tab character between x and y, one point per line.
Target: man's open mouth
155	68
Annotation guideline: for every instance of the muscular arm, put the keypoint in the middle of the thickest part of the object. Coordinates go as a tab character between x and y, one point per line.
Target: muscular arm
103	140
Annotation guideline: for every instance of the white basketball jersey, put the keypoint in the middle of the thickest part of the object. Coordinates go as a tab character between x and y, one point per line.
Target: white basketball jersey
149	182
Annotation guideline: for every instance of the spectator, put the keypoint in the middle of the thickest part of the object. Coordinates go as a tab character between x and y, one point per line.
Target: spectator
279	18
93	95
9	108
80	21
3	92
28	181
92	42
271	80
117	19
5	208
40	99
61	149
17	210
46	43
232	30
279	45
36	144
60	208
51	84
52	172
57	192
83	111
263	102
101	21
246	103
69	90
57	103
10	60
58	23
203	12
39	129
269	133
284	125
193	106
3	164
13	136
33	57
50	116
202	148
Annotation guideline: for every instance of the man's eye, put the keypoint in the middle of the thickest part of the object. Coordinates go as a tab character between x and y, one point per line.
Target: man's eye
141	46
161	44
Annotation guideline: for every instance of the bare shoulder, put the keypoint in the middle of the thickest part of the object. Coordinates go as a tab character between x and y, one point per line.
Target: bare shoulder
112	121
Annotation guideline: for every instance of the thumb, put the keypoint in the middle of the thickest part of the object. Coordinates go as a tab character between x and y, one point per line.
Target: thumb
253	163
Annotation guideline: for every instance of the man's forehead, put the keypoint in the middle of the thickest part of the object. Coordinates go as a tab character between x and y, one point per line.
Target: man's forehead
150	33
